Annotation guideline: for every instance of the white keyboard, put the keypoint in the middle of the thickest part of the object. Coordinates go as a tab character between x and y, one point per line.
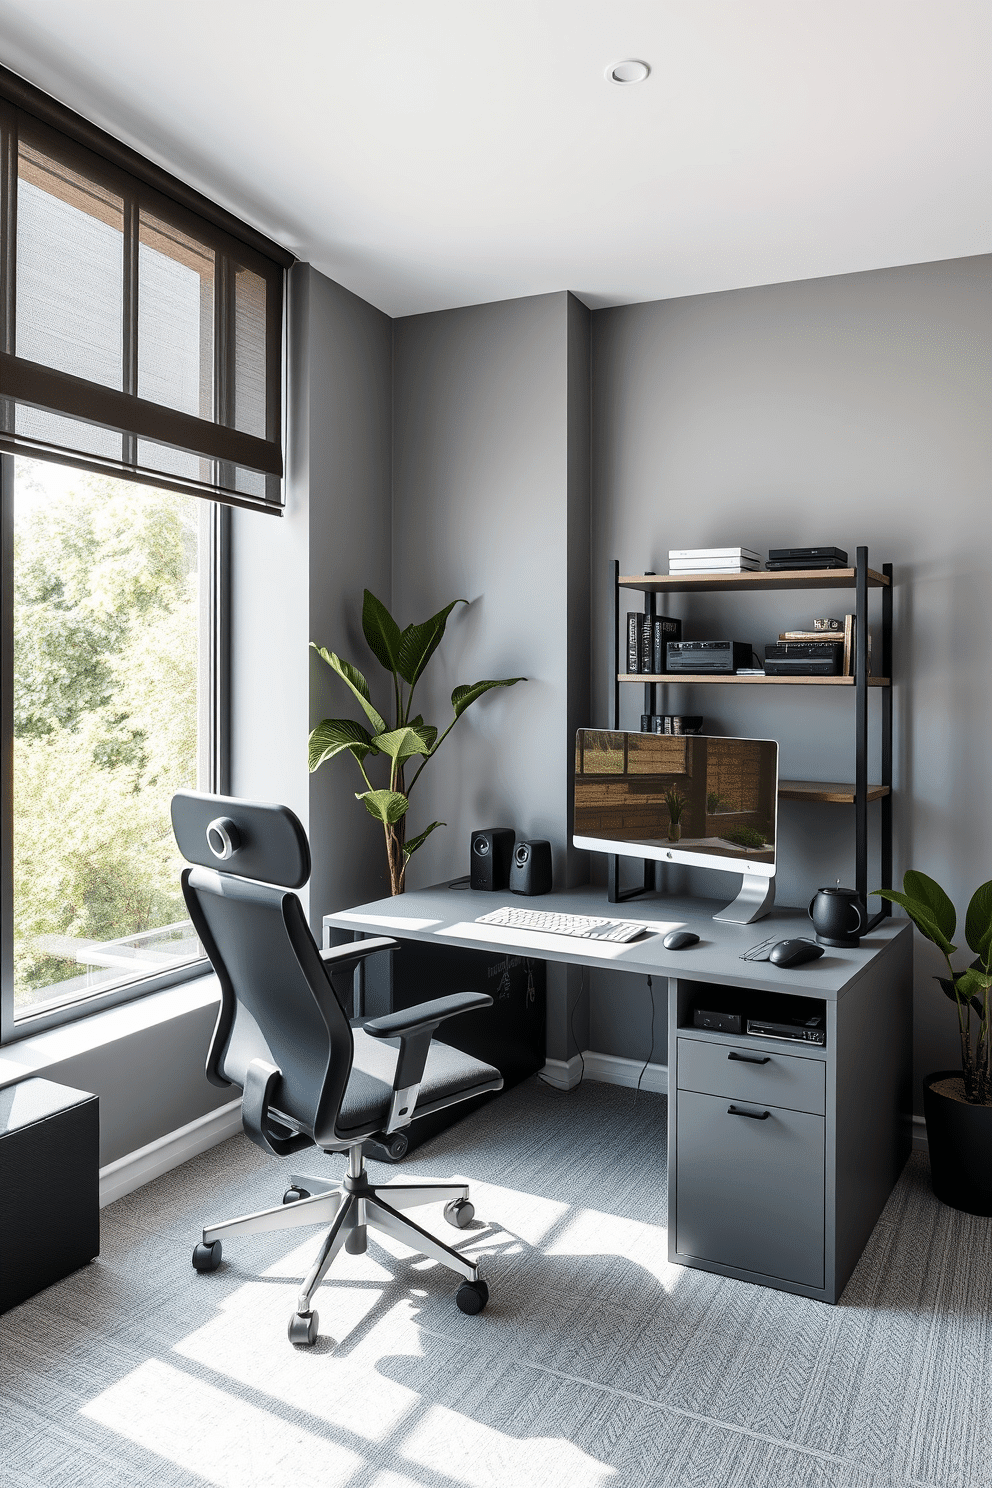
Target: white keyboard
583	927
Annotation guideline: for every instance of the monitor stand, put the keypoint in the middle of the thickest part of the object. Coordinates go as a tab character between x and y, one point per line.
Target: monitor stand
755	899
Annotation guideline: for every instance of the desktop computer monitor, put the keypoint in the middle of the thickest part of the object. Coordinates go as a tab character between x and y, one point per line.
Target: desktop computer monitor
683	798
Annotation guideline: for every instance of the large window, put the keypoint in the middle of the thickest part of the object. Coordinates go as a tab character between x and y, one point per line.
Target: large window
141	334
117	697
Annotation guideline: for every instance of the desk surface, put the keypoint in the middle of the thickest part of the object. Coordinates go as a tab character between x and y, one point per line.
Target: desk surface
448	916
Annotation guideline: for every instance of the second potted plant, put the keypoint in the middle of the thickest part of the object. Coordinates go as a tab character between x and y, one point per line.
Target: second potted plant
957	1104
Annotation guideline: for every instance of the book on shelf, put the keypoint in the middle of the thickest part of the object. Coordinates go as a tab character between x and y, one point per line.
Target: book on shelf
850	640
635	623
671	723
665	629
713	565
646	642
848	646
816	637
706	555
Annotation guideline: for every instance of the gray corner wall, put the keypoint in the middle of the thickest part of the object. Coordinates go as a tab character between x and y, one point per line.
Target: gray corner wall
847	410
350	485
491	504
300	578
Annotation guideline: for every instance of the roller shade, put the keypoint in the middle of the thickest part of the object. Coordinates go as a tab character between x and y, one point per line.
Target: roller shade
138	336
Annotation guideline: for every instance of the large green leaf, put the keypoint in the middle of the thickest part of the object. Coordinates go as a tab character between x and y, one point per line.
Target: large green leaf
920	918
419	642
402	743
336	734
971	986
381	632
353	678
978	921
428	731
411	847
385	805
932	899
464	697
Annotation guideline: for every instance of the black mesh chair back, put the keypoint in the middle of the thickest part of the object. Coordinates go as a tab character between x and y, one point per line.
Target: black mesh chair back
278	1006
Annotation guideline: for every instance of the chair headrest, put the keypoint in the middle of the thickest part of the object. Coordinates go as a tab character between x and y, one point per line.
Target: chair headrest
253	839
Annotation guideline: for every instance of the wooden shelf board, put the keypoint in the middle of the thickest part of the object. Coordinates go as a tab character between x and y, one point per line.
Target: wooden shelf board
801	578
677	678
826	790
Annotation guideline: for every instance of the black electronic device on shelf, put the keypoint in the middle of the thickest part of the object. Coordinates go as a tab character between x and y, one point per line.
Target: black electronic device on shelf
804	659
782	559
708	656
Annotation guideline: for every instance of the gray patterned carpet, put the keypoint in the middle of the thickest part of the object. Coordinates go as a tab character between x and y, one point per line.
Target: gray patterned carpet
596	1365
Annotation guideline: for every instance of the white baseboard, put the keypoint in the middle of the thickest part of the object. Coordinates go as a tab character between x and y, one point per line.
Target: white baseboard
920	1143
563	1074
608	1069
136	1168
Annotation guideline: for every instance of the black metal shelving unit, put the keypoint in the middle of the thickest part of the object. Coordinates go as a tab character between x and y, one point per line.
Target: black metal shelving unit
862	579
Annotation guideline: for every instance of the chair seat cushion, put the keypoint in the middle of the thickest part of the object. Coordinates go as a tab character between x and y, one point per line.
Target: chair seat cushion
450	1076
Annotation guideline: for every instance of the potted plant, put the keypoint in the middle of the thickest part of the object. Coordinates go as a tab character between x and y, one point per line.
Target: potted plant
676	803
957	1104
404	654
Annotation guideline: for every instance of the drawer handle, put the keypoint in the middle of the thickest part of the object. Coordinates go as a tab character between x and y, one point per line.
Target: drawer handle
749	1058
754	1115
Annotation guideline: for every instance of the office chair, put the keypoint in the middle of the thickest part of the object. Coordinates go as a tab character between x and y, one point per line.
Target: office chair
310	1077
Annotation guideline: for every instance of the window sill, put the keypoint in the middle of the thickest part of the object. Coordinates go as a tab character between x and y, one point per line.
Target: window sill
37	1052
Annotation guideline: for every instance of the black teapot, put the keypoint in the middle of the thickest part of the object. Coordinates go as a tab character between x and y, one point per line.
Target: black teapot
839	916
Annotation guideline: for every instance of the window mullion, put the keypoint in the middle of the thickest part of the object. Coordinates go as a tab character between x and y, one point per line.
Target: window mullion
8	249
6	747
129	446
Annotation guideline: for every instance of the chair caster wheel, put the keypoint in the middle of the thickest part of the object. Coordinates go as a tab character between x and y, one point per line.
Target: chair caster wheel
472	1296
207	1257
460	1213
294	1195
303	1328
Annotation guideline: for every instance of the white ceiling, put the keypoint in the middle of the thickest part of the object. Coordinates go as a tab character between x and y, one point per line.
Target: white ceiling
429	153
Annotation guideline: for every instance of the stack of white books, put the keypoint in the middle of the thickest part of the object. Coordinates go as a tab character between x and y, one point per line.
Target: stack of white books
712	560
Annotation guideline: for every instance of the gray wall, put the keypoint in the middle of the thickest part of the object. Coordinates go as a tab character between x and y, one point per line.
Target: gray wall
490	504
847	410
350	391
301	578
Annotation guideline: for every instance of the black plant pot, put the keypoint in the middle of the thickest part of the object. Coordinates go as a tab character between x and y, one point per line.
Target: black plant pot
960	1141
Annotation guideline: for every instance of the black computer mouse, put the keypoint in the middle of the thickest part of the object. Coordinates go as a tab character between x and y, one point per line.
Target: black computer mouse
677	940
794	953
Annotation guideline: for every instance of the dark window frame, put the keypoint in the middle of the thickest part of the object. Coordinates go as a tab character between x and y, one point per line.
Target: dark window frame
12	1029
27	113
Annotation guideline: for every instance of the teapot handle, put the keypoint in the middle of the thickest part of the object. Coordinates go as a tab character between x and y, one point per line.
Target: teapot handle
859	927
811	903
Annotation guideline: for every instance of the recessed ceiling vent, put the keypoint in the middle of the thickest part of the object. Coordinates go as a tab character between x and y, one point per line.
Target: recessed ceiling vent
630	71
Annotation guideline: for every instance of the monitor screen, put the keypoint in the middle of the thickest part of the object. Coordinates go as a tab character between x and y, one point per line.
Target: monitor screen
678	798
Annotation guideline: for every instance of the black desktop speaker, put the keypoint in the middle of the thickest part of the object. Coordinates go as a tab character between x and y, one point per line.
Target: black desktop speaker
530	872
490	854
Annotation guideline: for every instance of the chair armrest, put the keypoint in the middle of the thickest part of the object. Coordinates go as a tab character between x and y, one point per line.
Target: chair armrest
335	957
426	1015
414	1027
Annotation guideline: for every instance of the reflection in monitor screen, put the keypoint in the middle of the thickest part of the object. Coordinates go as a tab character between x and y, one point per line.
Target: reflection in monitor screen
678	797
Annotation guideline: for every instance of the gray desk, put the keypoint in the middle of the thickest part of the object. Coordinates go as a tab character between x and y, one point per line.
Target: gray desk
786	1199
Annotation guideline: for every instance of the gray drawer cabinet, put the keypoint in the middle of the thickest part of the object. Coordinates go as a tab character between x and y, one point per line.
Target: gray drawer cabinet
750	1185
743	1073
781	1156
